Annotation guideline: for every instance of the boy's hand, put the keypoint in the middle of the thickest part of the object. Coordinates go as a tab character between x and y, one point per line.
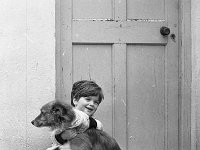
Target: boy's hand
95	124
53	147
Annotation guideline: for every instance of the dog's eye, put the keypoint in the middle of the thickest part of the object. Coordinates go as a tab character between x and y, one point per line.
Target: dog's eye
42	112
53	112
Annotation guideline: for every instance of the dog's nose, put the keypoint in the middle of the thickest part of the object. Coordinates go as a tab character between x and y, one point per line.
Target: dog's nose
32	122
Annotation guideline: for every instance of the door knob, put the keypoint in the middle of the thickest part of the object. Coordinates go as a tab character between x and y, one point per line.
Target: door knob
164	31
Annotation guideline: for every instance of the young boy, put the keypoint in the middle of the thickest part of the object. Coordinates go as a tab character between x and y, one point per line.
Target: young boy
85	98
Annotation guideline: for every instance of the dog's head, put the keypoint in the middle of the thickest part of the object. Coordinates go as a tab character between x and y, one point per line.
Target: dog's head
56	115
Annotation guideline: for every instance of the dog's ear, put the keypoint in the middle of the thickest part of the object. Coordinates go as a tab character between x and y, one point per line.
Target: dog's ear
63	110
58	109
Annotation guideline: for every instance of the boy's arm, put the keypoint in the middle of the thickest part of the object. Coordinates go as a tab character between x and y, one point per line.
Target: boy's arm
80	125
64	136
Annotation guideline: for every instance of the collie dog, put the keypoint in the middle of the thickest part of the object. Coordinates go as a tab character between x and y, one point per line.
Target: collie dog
59	116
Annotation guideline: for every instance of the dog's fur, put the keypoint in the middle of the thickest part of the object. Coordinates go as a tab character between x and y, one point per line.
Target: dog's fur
59	116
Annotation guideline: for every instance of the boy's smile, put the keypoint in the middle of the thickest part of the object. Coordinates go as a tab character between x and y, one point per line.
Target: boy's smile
88	104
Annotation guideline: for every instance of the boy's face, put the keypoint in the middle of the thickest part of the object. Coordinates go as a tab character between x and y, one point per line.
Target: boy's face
88	104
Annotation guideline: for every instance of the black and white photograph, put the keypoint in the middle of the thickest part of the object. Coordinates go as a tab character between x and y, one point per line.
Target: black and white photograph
100	75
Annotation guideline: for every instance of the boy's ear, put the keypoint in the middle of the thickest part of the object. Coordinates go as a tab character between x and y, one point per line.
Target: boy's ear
75	101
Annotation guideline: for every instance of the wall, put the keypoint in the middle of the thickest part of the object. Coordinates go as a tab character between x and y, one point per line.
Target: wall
195	17
27	71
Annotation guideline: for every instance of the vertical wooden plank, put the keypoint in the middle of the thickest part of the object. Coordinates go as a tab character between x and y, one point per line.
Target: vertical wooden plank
58	46
187	134
171	76
119	9
66	48
119	96
166	85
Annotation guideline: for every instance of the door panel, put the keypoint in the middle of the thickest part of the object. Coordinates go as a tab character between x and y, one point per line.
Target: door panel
146	96
145	9
117	32
92	9
118	44
94	62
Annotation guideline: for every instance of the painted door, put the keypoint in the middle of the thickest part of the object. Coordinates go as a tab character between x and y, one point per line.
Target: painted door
118	44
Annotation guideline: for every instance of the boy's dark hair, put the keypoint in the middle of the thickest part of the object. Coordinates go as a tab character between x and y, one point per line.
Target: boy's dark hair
85	88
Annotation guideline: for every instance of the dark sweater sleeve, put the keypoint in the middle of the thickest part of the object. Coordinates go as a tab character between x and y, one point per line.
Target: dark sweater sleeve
93	123
60	139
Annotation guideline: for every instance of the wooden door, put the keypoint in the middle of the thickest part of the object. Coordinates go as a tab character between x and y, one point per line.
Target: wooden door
118	44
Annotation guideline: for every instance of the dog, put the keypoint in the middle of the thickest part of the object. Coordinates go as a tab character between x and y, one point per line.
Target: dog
59	116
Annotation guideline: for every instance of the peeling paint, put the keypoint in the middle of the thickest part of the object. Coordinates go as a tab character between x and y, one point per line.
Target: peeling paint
153	86
147	20
130	137
154	74
123	101
29	38
109	19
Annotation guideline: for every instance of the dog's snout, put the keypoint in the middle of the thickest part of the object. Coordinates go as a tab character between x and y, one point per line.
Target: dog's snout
37	123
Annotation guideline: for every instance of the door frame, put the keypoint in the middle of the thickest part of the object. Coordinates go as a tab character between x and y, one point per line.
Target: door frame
186	108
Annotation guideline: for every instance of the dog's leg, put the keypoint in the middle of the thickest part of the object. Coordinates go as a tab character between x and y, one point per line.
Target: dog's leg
81	142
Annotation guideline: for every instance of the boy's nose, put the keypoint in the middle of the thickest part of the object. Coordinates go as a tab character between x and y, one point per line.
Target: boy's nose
91	103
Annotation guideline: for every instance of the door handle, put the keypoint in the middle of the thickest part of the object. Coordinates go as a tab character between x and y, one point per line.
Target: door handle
164	31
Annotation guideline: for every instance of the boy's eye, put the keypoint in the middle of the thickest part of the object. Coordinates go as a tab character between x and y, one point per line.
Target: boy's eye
96	102
87	99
